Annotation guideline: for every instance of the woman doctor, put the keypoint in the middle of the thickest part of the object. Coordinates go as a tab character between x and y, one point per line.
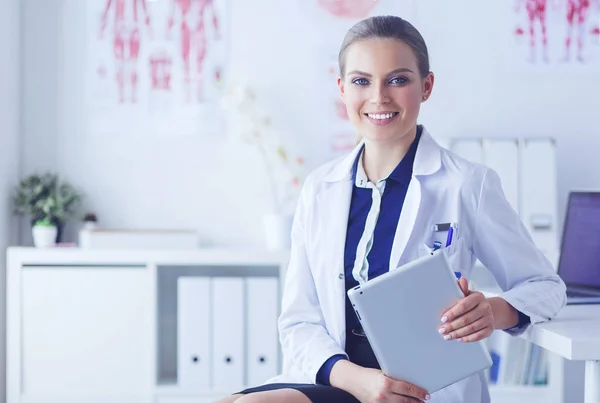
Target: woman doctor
374	210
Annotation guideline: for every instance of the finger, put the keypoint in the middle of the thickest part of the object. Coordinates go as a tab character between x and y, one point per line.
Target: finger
473	327
463	306
410	390
481	311
463	283
477	336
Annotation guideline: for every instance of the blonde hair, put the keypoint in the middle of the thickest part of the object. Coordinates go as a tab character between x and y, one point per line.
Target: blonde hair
388	27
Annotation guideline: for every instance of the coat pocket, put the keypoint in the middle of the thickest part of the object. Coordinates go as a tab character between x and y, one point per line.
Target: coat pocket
456	253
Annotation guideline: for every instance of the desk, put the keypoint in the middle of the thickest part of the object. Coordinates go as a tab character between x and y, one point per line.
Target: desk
575	335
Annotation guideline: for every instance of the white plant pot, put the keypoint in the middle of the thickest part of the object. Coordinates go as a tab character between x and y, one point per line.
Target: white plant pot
278	229
43	236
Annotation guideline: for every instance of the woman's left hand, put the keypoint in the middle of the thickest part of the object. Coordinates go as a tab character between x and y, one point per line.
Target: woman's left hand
471	319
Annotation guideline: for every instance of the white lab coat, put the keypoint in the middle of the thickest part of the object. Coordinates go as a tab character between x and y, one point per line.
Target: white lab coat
444	188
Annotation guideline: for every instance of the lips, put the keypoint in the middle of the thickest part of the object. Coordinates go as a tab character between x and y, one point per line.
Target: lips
382	118
381	115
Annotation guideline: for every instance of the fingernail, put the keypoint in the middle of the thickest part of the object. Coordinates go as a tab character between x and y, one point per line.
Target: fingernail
427	397
442	330
459	339
444	319
447	337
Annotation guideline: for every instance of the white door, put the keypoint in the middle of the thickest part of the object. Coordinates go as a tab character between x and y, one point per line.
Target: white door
87	333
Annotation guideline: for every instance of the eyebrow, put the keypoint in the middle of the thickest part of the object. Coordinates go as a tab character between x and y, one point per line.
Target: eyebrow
400	70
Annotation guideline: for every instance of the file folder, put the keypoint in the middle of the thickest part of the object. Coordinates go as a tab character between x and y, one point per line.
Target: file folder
228	333
538	192
502	155
262	306
193	333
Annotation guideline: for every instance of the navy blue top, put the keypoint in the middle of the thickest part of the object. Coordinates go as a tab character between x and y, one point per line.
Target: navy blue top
377	259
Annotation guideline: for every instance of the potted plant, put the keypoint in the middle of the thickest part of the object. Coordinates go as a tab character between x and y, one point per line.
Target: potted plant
44	233
46	200
90	221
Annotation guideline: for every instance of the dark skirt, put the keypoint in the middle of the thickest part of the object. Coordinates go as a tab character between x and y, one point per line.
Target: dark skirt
359	352
315	393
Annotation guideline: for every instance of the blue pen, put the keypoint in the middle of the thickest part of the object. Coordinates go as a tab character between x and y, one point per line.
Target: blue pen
449	238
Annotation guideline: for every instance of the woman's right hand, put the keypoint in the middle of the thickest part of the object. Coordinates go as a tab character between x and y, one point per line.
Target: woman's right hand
370	385
376	387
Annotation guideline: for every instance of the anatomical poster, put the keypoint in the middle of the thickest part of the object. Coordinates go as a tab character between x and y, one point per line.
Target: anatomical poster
557	34
156	67
331	19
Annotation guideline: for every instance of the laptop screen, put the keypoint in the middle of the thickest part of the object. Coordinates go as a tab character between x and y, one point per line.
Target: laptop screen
580	252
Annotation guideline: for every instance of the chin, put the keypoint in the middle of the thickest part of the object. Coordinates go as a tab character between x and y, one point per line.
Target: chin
382	136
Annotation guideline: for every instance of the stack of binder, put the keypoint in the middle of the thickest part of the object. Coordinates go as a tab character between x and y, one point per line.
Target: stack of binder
527	170
227	336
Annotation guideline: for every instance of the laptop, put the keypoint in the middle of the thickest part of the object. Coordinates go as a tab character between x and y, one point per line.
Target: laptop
400	312
579	262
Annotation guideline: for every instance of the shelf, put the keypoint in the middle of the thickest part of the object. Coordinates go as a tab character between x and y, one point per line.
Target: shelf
517	393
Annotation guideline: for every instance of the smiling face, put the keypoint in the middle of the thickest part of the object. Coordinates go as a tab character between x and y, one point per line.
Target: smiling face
383	89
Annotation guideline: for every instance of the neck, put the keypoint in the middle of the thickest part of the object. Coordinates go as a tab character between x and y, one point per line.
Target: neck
380	159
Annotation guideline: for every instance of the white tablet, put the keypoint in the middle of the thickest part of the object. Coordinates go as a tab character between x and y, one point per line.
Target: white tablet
400	313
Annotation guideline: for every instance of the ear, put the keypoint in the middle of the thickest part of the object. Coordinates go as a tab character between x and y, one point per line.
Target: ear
428	85
340	84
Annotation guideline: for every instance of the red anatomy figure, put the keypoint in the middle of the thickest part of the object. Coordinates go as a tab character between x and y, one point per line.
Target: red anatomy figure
193	37
126	40
536	12
348	8
160	71
577	12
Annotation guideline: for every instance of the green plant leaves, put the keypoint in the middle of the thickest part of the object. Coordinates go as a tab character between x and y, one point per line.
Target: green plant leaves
45	196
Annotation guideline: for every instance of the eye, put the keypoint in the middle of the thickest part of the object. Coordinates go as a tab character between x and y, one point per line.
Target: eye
360	81
398	80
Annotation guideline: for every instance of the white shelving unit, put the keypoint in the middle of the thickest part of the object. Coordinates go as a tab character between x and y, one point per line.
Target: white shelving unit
520	163
550	393
553	391
91	326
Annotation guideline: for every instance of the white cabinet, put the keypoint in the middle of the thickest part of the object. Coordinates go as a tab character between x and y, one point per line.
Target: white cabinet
108	326
86	331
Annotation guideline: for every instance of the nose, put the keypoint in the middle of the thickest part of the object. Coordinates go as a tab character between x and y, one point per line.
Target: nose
379	95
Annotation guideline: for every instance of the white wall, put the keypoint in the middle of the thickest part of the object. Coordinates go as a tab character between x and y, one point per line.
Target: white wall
9	150
480	93
218	188
134	181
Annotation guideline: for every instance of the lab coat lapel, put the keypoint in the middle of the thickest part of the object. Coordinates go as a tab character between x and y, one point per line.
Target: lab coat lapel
334	209
406	223
427	162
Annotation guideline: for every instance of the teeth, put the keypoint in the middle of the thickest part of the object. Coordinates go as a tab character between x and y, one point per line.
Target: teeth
380	116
